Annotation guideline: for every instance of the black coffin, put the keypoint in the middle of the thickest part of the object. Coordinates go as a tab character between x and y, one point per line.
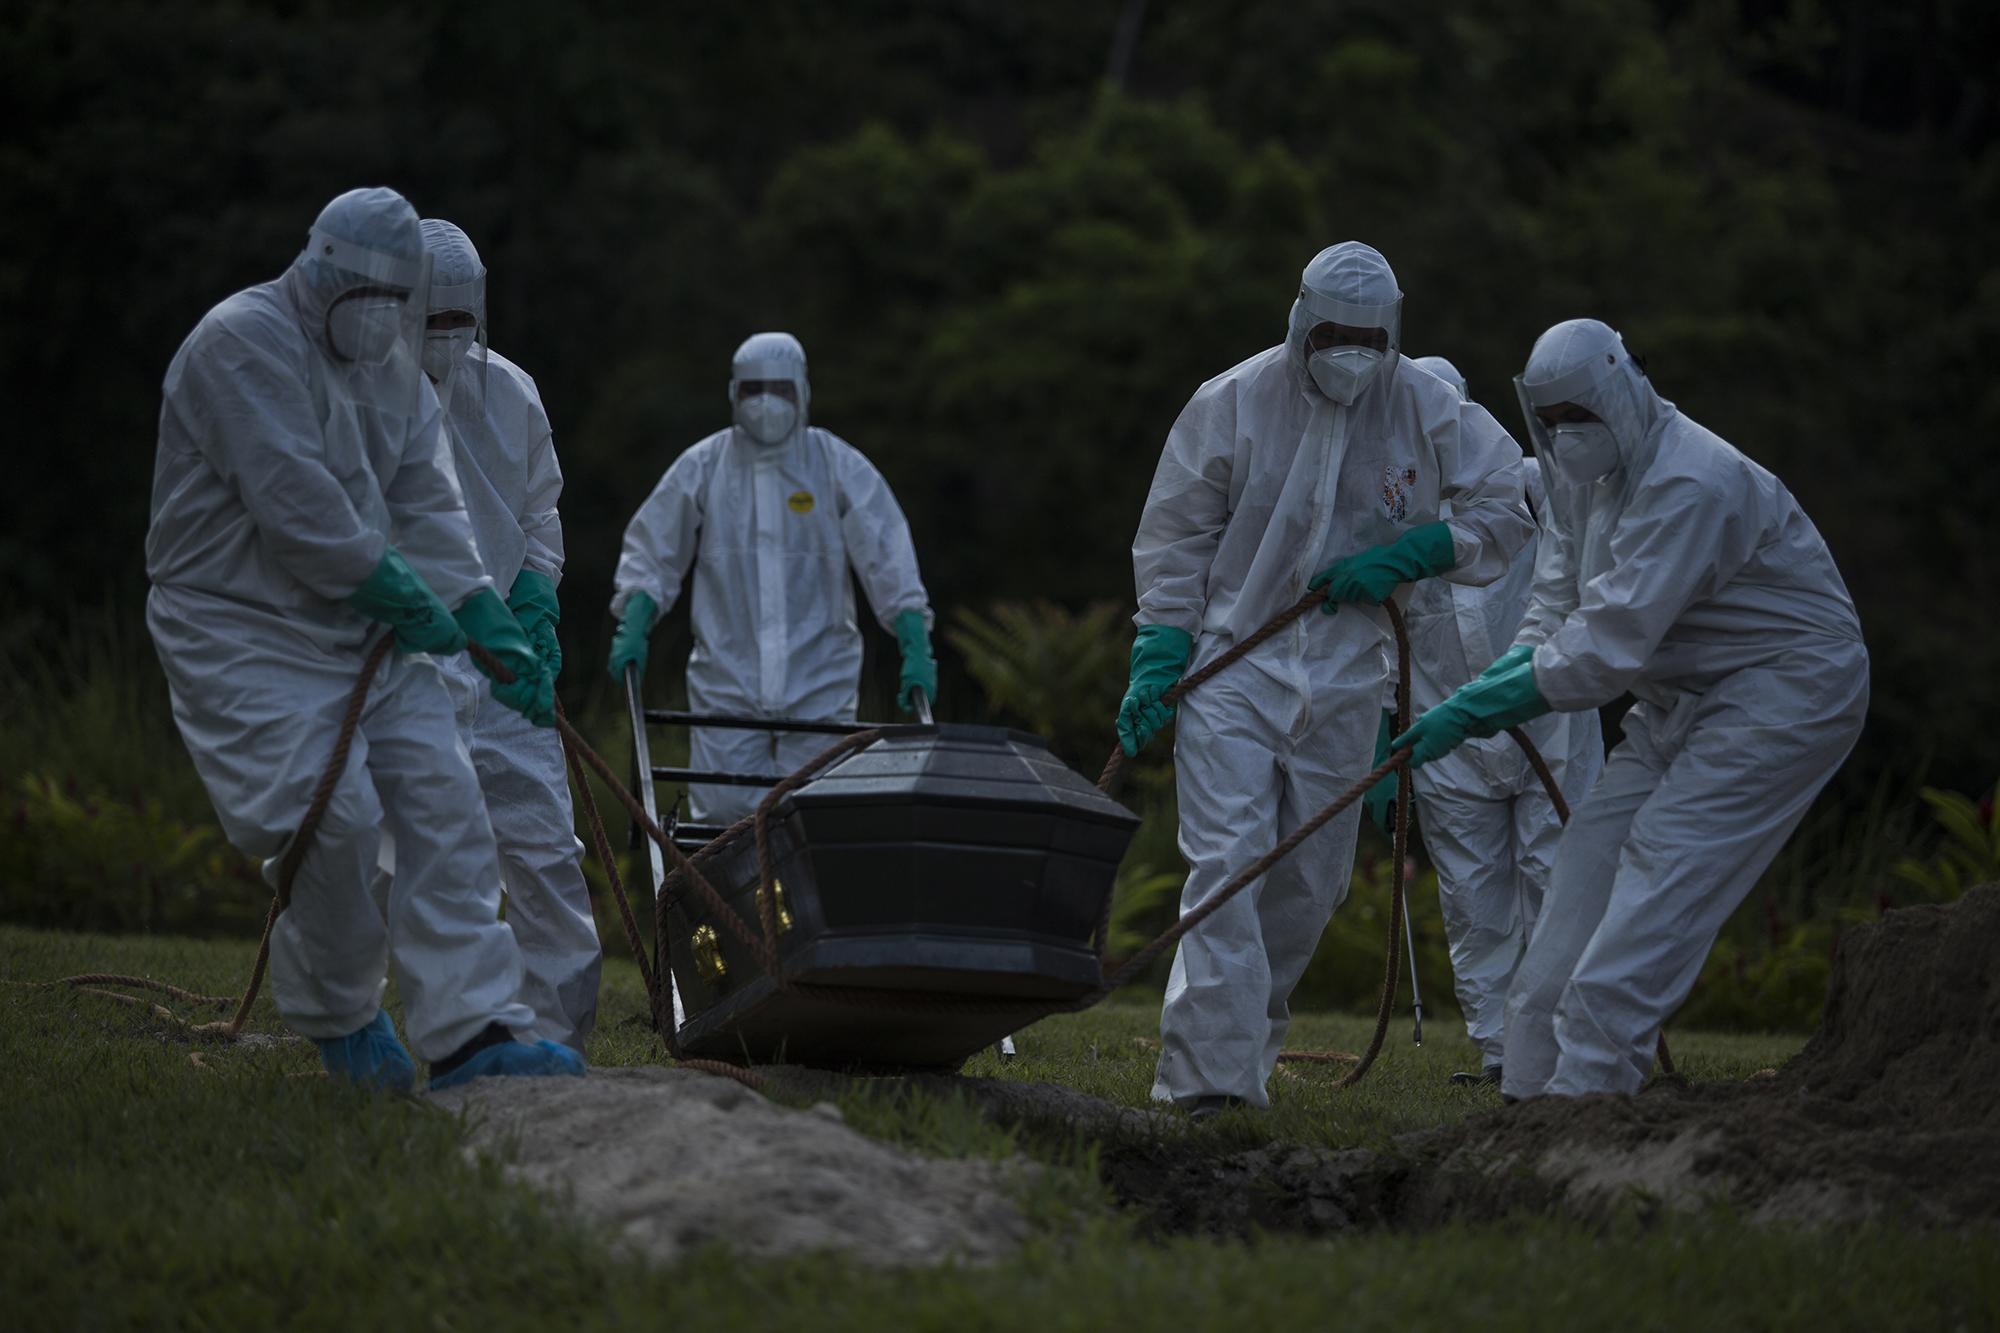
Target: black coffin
942	861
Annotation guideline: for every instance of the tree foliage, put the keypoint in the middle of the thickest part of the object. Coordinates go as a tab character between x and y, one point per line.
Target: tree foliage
1010	273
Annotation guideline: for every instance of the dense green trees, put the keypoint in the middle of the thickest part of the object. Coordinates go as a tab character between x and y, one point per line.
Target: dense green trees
1010	274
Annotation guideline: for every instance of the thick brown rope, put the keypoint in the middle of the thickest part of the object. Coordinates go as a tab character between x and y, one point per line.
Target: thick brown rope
575	748
138	983
1541	767
684	867
767	897
288	869
722	1069
1135	966
1392	970
1108	780
1112	777
601	844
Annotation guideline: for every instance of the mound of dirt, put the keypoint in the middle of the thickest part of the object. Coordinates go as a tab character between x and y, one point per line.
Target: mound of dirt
1889	1111
1912	1022
673	1159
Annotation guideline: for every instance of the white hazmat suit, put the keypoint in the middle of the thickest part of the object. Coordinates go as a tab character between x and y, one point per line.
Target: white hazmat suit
1265	480
276	491
507	469
1683	572
772	531
1486	820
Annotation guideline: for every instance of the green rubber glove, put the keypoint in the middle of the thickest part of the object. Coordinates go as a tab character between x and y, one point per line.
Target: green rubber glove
534	603
919	667
1485	707
396	596
1507	661
1380	800
1159	655
628	645
488	623
1370	576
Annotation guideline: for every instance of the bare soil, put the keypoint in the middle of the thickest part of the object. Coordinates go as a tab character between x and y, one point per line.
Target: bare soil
1891	1112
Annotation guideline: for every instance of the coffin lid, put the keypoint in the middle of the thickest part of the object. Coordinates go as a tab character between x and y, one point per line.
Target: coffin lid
960	764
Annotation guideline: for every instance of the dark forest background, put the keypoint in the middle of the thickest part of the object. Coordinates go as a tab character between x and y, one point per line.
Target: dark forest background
1015	236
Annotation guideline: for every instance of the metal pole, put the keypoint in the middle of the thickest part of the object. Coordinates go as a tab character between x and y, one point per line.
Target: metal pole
713	778
1410	935
642	769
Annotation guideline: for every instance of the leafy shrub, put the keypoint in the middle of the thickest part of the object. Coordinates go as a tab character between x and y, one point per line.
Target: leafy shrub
91	862
1056	672
1781	987
1970	850
1842	855
88	700
1144	902
1768	973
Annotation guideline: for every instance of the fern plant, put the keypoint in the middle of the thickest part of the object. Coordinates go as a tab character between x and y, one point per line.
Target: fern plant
1056	672
1144	902
1969	853
77	861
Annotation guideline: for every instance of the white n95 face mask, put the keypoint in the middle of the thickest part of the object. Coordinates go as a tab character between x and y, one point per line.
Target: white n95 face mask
1343	372
766	417
365	329
443	350
1583	450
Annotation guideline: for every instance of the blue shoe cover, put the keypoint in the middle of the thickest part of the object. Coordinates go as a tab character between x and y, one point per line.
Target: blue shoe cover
515	1059
371	1057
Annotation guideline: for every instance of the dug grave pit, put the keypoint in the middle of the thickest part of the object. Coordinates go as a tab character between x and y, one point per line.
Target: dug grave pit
1888	1114
1891	1112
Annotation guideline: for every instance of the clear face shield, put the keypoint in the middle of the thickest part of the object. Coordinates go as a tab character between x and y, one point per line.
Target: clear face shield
455	324
374	323
1347	346
1573	452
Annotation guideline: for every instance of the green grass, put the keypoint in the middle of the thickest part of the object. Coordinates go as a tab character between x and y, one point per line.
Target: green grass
139	1190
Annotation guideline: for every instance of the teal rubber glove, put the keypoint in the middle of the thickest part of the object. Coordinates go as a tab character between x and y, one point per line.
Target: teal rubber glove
635	627
919	667
534	603
1380	800
396	596
488	623
1485	707
1159	656
1370	576
1507	661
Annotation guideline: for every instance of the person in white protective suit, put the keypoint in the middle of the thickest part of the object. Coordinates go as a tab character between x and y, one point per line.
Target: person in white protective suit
772	513
302	493
508	472
1322	462
1486	820
1683	572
